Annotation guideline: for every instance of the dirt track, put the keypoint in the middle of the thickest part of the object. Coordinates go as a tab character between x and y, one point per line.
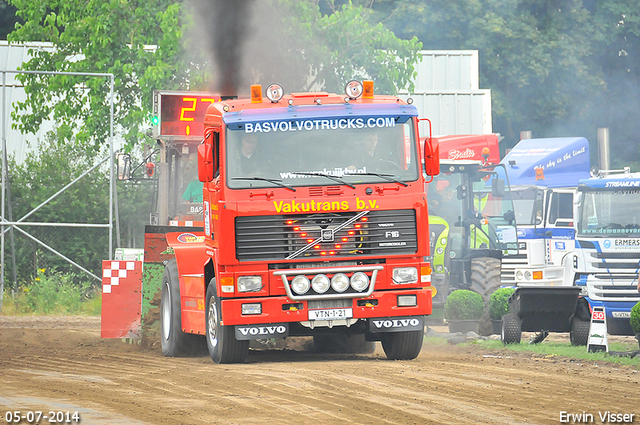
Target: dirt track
61	364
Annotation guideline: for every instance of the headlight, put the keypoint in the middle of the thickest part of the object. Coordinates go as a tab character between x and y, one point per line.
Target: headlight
249	283
443	241
359	281
405	275
519	275
439	268
300	284
439	251
320	283
527	275
340	282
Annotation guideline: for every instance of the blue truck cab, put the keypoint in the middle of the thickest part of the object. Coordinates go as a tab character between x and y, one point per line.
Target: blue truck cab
607	245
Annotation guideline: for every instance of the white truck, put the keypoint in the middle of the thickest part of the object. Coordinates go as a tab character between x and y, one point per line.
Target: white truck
544	175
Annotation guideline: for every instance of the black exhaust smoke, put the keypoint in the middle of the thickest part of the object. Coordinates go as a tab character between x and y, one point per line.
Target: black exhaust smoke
225	26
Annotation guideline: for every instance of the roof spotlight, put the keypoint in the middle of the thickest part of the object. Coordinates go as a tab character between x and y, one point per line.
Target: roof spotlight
274	93
353	89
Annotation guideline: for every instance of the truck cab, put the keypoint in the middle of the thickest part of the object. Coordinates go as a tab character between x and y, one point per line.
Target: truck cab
607	255
544	175
315	224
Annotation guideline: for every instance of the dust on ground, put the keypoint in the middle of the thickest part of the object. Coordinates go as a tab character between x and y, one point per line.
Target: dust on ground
53	364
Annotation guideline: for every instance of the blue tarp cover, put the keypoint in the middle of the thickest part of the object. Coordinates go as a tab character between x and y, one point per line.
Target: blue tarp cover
564	162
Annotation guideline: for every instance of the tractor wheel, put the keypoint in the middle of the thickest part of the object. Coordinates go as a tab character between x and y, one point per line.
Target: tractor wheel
511	329
173	341
340	344
402	345
221	340
485	279
579	331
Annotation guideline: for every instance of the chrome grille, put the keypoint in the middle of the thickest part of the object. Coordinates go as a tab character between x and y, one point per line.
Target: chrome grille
279	237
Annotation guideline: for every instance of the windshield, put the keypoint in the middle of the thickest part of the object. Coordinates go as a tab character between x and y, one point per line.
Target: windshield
527	204
321	152
492	201
610	213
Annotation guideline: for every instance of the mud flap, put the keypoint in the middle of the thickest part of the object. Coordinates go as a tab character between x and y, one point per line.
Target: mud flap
121	299
396	324
262	331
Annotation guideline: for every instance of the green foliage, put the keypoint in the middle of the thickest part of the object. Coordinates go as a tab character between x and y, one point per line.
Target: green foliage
463	305
635	318
115	37
555	68
356	48
499	303
52	292
44	172
100	37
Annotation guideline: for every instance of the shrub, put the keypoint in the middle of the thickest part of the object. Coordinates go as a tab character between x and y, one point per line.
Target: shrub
464	305
635	318
54	292
499	303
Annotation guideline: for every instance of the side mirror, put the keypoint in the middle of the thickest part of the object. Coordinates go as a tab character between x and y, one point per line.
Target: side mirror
123	162
432	156
205	162
497	188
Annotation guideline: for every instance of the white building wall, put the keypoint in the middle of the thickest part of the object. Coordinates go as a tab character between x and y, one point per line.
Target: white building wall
447	93
12	56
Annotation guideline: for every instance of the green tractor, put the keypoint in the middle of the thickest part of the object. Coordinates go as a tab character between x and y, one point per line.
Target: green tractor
472	226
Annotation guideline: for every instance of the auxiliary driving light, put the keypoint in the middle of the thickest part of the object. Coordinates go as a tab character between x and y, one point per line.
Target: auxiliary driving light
320	283
359	281
407	300
253	308
340	282
300	284
353	89
274	93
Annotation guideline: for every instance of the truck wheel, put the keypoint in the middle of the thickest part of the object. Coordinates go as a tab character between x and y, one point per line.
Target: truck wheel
511	329
341	344
579	331
485	279
221	340
403	345
173	341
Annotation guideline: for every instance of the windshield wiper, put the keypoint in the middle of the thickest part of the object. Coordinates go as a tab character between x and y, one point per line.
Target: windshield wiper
329	176
274	181
388	177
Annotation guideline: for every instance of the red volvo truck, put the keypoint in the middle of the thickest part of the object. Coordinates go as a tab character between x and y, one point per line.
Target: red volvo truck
314	224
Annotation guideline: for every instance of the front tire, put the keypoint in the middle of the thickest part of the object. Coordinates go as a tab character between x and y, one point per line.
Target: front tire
511	329
485	279
403	345
174	342
579	331
221	340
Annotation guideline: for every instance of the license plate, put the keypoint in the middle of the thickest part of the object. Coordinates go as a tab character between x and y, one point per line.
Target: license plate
621	314
331	314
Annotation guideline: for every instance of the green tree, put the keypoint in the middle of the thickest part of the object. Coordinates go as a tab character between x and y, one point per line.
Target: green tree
115	37
558	67
103	37
43	173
